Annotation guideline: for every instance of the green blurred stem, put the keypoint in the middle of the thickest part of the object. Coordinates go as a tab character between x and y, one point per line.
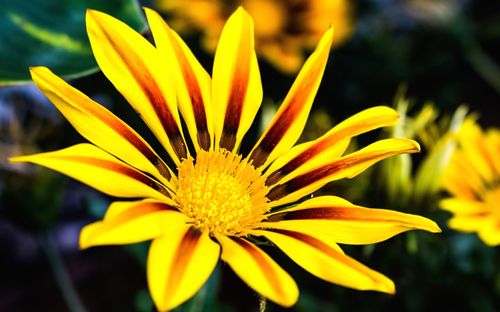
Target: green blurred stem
61	275
484	65
262	303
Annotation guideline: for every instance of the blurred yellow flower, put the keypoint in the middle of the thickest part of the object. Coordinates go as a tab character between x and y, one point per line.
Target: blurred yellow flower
473	179
419	186
215	202
283	29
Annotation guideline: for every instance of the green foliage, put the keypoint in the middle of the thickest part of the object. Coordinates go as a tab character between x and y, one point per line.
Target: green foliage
52	33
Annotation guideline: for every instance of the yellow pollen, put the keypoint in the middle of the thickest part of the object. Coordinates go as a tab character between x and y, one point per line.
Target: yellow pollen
221	193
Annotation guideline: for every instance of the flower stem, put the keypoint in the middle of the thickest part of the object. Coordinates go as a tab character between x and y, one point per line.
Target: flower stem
262	303
61	275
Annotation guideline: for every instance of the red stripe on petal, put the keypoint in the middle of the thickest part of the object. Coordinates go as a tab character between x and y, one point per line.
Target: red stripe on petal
262	262
234	110
311	241
195	96
237	96
292	109
312	176
153	93
120	128
182	257
123	170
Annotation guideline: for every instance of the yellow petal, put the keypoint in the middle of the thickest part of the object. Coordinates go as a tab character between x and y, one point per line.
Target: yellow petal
132	64
289	121
98	125
473	147
462	206
468	222
319	259
489	232
236	84
258	270
493	147
342	222
348	166
132	222
454	182
179	263
331	145
192	82
98	169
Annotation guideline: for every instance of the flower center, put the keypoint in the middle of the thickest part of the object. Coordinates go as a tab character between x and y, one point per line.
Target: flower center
221	193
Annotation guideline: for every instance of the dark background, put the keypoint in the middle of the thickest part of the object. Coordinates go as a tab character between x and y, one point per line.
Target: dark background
449	61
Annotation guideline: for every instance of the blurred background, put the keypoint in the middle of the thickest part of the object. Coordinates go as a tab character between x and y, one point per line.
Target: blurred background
435	61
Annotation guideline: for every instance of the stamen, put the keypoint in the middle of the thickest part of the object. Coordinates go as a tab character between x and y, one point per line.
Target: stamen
221	193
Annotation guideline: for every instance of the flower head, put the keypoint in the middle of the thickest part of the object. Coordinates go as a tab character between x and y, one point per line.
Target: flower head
215	201
419	183
473	179
283	29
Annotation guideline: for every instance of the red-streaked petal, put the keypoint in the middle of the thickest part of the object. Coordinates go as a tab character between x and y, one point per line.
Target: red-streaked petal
325	262
132	64
191	80
331	145
348	166
132	222
236	84
342	222
98	169
287	125
258	270
179	263
98	125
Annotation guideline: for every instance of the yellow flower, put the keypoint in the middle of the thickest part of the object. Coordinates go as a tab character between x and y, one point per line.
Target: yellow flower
401	178
283	29
473	179
216	201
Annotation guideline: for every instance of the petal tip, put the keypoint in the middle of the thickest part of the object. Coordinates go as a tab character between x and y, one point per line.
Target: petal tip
19	159
14	159
94	15
417	146
35	69
39	73
390	288
90	12
149	11
326	40
434	228
408	145
385	285
240	10
84	242
241	14
426	224
290	302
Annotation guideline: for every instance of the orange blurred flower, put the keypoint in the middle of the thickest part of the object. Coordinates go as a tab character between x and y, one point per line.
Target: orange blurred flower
283	29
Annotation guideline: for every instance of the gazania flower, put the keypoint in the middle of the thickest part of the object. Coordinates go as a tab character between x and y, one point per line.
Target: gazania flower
212	202
473	179
283	29
405	181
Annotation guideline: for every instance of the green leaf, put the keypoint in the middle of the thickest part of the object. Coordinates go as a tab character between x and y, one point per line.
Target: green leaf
52	33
